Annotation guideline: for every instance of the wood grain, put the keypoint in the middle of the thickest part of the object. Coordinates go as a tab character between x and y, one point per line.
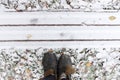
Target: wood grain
53	33
57	28
59	19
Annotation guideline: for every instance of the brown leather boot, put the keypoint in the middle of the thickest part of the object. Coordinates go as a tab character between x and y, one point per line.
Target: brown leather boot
65	67
49	62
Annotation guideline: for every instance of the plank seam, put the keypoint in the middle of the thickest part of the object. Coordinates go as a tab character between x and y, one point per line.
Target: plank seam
62	40
25	25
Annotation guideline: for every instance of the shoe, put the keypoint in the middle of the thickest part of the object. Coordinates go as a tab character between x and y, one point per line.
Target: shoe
49	63
65	67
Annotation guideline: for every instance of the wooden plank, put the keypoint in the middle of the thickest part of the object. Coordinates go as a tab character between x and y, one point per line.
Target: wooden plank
59	44
59	19
74	33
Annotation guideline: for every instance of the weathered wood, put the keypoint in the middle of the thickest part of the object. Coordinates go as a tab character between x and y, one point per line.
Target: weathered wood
59	44
59	19
60	33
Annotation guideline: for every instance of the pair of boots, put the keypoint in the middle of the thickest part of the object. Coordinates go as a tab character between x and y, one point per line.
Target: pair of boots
55	69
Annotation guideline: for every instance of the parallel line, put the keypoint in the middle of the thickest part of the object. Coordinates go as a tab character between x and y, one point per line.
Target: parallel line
60	40
25	25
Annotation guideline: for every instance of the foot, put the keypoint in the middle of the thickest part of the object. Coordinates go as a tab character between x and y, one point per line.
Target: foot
65	67
49	62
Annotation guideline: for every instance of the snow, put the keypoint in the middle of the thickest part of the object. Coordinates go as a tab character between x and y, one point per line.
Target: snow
99	67
81	5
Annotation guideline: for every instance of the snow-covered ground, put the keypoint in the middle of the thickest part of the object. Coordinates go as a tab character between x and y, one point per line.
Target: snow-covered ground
90	63
81	5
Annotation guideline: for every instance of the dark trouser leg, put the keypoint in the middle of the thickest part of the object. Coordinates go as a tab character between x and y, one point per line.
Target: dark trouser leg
50	77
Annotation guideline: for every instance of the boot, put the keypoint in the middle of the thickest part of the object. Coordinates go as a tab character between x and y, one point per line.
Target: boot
49	62
65	68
